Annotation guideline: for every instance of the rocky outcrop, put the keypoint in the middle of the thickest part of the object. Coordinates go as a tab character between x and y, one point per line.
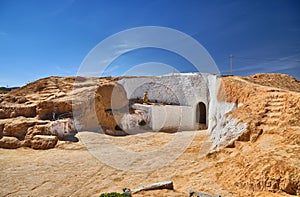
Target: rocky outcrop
100	103
267	152
1	130
257	120
271	176
264	109
10	142
46	107
110	98
50	110
99	108
16	111
28	111
18	127
43	142
280	81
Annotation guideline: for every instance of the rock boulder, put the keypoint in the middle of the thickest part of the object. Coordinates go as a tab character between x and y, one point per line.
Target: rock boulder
43	142
10	142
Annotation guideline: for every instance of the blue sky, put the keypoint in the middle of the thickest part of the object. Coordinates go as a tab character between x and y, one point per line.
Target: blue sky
40	38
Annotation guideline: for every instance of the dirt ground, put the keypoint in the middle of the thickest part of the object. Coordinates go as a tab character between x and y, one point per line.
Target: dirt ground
264	161
71	170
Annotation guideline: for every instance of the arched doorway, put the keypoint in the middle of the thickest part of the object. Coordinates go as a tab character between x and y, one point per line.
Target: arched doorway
201	115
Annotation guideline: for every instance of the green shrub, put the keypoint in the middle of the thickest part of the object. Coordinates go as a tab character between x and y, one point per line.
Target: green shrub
113	194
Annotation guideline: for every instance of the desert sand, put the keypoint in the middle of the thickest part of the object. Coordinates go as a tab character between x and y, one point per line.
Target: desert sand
264	161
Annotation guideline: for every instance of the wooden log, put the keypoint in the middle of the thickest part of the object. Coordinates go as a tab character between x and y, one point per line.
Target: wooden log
154	186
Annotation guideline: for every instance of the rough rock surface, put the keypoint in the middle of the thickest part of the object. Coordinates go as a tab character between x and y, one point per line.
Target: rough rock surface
28	111
262	161
39	108
10	142
266	109
43	142
271	108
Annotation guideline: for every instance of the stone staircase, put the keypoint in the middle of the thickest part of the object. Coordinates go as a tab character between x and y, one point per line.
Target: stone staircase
274	109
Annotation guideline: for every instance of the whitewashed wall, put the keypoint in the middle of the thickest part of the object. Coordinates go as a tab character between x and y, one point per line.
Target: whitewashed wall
184	89
222	129
187	90
165	117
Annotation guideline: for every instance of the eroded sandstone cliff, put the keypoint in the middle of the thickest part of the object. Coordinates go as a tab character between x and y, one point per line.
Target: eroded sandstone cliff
264	158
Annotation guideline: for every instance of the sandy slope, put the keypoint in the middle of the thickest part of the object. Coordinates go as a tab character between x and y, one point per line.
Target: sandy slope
265	161
70	169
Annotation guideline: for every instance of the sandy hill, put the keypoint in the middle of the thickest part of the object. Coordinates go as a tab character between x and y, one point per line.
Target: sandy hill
4	90
263	161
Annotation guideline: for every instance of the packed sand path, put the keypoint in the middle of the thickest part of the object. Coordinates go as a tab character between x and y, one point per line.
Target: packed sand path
71	170
263	161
